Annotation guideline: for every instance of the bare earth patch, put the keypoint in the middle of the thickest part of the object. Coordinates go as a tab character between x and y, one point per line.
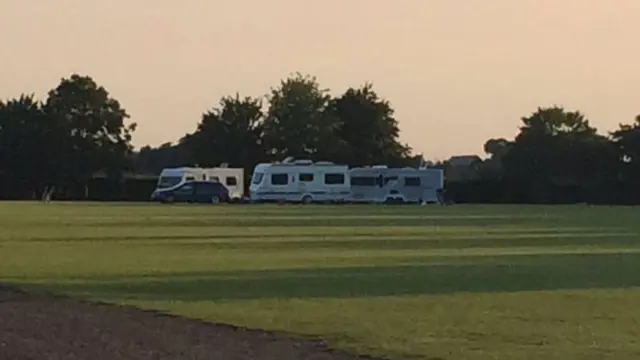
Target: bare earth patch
38	327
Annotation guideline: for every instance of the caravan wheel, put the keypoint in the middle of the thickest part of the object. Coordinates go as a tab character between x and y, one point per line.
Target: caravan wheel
306	199
169	200
393	201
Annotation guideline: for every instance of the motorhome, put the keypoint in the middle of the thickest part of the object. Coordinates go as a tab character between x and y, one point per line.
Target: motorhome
381	184
302	181
231	178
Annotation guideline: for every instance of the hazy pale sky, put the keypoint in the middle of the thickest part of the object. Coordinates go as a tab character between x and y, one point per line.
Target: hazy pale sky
457	71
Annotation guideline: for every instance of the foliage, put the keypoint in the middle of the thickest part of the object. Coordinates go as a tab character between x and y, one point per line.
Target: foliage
297	122
557	156
229	134
368	131
298	118
80	130
95	134
627	141
27	147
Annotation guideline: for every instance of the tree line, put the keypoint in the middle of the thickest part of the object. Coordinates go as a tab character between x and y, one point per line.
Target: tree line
297	118
557	157
80	132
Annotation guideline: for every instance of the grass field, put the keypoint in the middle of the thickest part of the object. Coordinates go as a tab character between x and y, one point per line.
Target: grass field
459	282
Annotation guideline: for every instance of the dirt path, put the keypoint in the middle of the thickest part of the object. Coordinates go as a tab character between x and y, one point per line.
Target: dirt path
38	327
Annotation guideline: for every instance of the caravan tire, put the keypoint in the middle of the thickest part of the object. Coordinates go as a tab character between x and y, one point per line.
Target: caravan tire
306	199
393	201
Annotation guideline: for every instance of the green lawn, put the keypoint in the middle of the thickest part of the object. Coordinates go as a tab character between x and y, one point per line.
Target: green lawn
459	282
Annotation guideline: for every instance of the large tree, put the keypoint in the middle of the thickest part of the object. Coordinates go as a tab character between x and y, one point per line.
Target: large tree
231	133
28	146
97	136
497	149
627	140
297	122
556	147
151	160
368	131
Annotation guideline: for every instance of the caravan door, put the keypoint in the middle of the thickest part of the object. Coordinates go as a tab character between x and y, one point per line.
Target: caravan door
303	182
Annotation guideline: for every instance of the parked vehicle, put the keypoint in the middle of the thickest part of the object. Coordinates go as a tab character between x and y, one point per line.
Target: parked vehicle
380	184
193	192
232	178
300	181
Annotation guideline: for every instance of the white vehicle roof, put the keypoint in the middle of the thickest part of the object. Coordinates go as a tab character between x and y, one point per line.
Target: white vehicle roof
299	164
182	170
175	171
383	169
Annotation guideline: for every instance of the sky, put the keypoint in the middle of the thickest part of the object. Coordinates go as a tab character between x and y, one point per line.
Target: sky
457	72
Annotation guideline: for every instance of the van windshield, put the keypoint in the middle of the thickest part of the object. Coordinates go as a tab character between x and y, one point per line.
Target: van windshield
257	178
168	181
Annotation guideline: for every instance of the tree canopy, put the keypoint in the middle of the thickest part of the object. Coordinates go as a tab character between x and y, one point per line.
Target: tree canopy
77	131
297	118
80	131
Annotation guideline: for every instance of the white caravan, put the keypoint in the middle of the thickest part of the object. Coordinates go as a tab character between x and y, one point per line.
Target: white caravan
380	184
300	181
232	178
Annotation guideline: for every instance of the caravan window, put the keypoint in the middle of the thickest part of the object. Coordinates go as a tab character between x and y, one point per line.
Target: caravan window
168	181
279	179
231	181
390	178
334	179
257	178
412	181
363	181
305	177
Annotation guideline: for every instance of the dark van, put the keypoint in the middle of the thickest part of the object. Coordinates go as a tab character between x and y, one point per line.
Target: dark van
193	192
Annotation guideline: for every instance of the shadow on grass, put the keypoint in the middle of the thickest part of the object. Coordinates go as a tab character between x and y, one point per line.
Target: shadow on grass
312	222
370	240
510	274
430	241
